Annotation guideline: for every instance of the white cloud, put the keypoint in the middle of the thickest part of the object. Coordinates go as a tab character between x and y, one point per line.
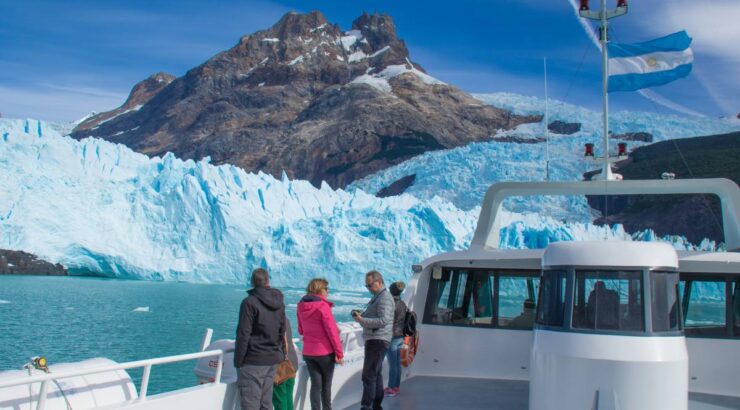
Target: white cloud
56	103
712	24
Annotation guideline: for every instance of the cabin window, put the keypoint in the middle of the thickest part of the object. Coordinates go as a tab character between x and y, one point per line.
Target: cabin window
517	301
704	305
665	301
464	298
608	300
468	297
552	298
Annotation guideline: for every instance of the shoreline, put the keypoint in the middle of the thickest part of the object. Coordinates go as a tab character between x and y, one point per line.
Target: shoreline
23	263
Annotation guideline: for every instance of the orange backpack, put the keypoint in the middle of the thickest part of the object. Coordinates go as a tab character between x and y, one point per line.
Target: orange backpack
408	349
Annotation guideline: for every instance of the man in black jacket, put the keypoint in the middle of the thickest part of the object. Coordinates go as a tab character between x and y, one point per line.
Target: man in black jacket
259	337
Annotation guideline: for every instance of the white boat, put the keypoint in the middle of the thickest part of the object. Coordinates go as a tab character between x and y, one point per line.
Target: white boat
614	328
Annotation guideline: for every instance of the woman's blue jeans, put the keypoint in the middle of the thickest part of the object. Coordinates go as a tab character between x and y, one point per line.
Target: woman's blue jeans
394	362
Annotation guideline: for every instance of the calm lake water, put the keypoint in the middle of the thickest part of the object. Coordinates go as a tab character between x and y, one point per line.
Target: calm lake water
67	319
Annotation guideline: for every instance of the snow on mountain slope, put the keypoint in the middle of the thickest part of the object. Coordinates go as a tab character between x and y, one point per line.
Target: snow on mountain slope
100	208
462	175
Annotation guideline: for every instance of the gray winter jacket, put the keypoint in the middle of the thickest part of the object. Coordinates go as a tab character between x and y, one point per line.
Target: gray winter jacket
377	320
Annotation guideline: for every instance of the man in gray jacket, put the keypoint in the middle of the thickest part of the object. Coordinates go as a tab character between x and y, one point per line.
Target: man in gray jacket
377	330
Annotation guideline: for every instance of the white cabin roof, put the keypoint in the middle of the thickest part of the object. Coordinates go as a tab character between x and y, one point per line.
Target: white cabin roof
610	254
531	259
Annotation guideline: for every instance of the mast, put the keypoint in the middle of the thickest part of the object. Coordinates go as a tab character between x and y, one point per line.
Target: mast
603	16
606	172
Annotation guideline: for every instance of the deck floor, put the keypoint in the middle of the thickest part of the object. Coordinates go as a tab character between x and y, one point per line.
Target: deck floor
432	393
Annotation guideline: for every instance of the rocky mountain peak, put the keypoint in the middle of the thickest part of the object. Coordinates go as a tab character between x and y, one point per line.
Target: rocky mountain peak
306	98
294	24
148	88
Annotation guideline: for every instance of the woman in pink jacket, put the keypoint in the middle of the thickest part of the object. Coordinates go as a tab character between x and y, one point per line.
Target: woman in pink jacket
321	345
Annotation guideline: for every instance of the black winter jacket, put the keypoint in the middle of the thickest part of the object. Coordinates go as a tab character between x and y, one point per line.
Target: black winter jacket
259	335
399	316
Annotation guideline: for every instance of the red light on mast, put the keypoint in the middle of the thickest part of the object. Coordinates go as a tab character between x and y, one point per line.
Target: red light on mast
621	3
584	5
621	149
589	150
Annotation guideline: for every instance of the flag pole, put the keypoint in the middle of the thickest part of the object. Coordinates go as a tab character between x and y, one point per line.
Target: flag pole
603	15
607	170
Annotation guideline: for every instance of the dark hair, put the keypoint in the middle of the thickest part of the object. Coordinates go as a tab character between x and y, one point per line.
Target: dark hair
397	288
260	278
377	276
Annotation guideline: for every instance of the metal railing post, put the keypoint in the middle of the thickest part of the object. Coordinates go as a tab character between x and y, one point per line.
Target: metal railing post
219	368
145	382
206	339
42	395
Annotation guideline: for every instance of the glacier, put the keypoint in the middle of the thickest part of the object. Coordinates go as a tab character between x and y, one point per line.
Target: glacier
468	171
101	209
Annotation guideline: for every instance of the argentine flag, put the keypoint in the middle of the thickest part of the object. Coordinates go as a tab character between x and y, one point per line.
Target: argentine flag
655	62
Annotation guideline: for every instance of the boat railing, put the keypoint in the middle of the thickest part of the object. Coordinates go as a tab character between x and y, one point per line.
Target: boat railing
147	364
490	220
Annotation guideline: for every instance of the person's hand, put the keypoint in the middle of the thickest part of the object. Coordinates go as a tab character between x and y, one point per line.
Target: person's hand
357	318
339	360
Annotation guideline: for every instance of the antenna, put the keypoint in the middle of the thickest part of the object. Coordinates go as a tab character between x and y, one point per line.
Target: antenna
547	129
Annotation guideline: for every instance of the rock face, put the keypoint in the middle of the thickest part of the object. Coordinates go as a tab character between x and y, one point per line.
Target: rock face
22	263
564	128
306	98
398	187
140	95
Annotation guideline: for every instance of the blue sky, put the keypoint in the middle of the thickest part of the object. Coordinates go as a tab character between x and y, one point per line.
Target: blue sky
59	60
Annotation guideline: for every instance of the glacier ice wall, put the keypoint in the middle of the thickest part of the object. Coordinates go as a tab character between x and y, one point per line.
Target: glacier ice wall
100	208
462	175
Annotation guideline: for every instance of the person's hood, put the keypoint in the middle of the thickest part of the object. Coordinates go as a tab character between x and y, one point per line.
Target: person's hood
312	303
271	298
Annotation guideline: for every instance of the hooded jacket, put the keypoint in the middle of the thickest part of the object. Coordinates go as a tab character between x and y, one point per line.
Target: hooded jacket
319	329
261	328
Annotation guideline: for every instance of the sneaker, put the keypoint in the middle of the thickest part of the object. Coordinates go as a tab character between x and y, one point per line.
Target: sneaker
390	392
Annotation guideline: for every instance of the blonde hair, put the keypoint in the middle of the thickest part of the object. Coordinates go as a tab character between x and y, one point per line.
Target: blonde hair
316	286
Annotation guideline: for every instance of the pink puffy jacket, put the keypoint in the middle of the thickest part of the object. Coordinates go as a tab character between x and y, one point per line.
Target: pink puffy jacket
319	329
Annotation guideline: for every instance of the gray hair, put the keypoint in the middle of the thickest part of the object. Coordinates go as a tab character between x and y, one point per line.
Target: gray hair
375	275
260	278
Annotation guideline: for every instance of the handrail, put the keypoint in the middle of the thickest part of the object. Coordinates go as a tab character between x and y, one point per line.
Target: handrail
147	364
489	223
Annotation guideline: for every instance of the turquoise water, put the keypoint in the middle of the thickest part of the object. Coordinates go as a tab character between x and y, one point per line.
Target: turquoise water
68	319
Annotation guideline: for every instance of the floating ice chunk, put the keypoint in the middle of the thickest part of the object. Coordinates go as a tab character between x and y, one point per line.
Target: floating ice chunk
141	309
4	302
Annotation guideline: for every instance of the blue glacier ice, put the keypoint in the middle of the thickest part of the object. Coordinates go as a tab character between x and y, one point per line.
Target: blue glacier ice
462	175
101	209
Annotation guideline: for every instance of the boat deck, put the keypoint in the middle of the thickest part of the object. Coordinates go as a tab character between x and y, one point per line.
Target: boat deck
431	393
